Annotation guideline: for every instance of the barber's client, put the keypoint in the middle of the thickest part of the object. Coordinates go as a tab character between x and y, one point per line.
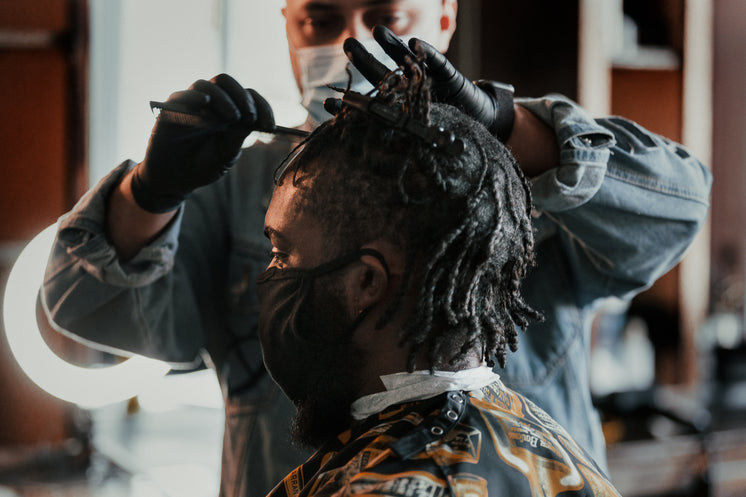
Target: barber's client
400	235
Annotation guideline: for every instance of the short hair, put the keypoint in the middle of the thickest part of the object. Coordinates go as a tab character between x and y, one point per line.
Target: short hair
462	221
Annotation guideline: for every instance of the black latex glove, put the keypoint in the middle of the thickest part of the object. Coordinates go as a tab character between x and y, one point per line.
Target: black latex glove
186	152
488	102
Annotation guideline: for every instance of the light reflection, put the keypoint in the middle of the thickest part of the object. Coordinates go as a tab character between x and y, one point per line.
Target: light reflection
86	387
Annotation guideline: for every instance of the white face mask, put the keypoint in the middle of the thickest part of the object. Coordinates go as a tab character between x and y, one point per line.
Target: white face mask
328	65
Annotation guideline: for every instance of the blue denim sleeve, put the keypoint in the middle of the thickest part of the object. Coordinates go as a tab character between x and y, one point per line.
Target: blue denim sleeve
625	202
94	298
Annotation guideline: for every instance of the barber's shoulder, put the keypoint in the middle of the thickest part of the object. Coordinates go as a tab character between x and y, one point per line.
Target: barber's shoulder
264	156
249	183
277	146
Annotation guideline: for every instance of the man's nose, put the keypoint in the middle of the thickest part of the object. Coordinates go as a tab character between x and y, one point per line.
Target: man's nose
356	28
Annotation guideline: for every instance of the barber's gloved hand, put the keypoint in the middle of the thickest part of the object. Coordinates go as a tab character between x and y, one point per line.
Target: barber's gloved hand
488	102
197	145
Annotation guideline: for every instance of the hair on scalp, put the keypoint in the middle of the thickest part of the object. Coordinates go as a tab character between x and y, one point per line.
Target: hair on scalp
462	221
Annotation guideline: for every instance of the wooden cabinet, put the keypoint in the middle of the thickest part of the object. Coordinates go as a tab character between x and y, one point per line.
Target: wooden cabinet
43	60
665	84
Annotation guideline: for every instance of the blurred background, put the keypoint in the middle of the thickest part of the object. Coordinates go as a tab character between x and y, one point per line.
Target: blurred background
669	368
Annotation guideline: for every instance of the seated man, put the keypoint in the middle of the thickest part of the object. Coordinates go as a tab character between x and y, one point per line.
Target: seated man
400	233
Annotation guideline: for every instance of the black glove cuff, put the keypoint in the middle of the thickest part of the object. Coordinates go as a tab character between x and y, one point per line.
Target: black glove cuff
145	199
502	95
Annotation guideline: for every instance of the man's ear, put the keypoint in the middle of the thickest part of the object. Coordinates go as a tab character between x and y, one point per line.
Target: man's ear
447	24
370	282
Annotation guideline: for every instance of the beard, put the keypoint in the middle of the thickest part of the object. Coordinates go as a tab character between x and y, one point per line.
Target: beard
330	367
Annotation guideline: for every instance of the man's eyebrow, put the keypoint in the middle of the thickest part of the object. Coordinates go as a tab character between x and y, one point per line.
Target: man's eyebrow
328	6
378	3
381	2
270	232
310	6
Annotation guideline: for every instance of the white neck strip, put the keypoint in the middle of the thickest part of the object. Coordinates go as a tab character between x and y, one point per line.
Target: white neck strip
406	387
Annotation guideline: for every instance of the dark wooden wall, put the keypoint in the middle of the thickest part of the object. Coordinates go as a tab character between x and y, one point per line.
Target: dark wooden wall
43	78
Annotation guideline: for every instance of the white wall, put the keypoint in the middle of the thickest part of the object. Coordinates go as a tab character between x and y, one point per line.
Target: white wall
144	50
257	55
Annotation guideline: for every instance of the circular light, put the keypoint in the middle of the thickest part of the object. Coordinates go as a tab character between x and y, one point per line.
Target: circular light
87	387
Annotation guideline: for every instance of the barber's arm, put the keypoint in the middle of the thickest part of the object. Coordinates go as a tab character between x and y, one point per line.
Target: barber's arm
113	277
182	157
129	227
121	305
532	143
625	202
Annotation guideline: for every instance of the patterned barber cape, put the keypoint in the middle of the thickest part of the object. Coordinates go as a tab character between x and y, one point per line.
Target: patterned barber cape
490	441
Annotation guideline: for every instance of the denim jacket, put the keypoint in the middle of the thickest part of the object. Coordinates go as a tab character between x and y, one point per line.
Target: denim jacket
616	213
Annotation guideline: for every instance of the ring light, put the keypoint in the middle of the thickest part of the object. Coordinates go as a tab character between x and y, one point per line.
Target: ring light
87	387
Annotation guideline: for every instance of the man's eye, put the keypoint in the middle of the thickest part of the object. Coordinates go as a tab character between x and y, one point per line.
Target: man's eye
321	28
397	21
279	259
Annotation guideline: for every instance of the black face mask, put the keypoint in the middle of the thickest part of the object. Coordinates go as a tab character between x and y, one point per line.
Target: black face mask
304	328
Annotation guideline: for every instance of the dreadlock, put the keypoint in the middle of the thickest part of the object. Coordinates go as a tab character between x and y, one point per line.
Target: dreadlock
463	222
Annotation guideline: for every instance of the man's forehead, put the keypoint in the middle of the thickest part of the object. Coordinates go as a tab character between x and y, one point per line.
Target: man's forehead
284	208
292	228
341	4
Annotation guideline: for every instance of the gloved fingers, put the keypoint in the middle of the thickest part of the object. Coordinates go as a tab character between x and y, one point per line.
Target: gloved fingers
446	77
264	119
239	96
188	101
450	86
371	68
393	46
220	104
230	147
333	105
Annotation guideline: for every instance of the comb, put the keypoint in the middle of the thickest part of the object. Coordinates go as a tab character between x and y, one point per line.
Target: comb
178	113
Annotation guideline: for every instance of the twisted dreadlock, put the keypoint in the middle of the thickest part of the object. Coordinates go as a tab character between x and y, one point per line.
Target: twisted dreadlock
462	221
